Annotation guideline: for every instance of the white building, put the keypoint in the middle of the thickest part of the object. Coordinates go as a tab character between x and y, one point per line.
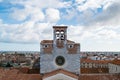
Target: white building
114	67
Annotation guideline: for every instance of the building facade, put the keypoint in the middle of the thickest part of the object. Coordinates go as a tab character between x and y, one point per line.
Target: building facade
114	66
59	53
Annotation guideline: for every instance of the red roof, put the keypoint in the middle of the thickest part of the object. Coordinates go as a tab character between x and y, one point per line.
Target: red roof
60	71
95	61
51	41
116	61
99	77
47	41
12	74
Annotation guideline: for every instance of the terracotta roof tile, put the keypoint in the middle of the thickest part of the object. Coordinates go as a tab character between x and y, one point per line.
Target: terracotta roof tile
51	41
24	70
116	61
10	74
99	77
95	61
46	41
60	71
94	70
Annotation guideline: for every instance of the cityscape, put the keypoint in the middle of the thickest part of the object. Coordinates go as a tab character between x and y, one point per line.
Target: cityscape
69	64
93	65
59	40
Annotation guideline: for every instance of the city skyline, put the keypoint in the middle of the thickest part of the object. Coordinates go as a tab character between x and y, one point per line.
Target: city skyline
93	24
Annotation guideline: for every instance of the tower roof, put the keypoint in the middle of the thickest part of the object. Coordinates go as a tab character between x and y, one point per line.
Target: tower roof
59	26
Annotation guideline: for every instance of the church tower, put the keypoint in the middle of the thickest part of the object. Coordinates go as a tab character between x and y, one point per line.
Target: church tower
59	53
60	36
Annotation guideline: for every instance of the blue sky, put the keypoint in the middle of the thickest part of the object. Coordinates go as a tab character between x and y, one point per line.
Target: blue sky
95	24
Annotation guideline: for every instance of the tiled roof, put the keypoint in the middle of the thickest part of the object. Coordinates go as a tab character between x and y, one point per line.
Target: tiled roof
47	41
24	70
60	71
69	41
51	41
13	74
99	77
116	61
94	70
29	77
95	61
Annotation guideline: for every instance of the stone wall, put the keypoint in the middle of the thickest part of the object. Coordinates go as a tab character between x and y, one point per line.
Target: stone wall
72	61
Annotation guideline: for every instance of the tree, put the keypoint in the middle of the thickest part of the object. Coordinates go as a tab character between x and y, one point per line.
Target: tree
8	65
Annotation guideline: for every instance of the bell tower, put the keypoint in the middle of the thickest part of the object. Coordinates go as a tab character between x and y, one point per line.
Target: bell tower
59	53
60	36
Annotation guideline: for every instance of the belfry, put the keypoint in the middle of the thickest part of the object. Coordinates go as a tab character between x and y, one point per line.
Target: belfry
59	53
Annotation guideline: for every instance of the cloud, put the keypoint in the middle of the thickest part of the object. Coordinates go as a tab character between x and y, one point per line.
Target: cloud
109	16
108	34
69	14
98	12
37	19
27	32
93	33
80	1
88	4
43	4
52	15
83	5
35	14
19	15
36	23
1	21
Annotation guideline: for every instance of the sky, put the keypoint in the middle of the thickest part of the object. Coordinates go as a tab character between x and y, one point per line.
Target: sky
95	24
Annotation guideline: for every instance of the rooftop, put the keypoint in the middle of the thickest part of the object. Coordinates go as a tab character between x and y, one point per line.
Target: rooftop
95	61
116	61
13	74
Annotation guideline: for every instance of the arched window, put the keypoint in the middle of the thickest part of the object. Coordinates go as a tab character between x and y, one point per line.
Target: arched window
62	32
57	32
